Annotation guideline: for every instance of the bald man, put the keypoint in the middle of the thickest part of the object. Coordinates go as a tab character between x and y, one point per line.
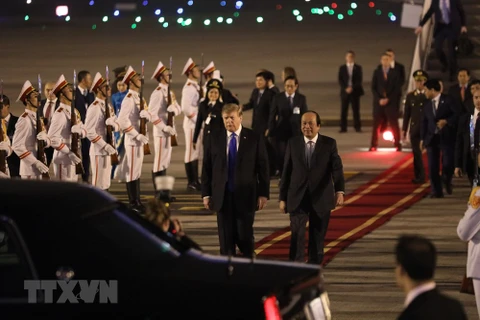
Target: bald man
49	105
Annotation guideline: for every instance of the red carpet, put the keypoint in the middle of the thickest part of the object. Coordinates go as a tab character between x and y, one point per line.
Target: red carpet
366	209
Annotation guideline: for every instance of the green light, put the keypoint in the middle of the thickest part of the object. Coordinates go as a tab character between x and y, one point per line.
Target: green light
350	12
229	21
340	16
183	24
206	22
134	25
320	11
161	19
326	9
165	24
236	14
138	19
67	18
296	12
259	19
378	12
27	17
314	11
180	20
299	18
94	27
390	14
105	19
353	5
188	22
331	12
220	19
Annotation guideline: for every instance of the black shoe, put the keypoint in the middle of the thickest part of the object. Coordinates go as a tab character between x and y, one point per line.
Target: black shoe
342	131
372	149
359	130
133	191
436	196
418	181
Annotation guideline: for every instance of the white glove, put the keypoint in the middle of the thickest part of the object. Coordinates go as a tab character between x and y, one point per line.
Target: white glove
77	128
109	149
40	166
3	175
111	122
146	115
172	108
4	146
74	158
169	130
43	136
143	139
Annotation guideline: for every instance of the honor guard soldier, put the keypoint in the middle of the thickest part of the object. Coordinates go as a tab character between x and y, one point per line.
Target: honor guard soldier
190	100
413	115
96	126
24	139
129	122
208	74
5	144
157	114
60	133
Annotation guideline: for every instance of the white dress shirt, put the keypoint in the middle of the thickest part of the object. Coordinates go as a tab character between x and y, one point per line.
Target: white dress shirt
418	291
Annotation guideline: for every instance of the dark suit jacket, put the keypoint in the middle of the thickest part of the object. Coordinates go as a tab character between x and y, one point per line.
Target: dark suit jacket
81	100
357	80
228	97
455	93
42	107
463	143
261	111
457	15
432	305
216	122
13	161
446	110
382	88
283	123
275	89
321	181
252	179
400	70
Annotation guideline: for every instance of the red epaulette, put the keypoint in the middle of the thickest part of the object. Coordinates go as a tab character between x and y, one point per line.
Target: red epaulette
24	115
59	109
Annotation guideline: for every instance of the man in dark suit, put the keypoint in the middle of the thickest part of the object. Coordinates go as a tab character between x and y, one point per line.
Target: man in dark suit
385	88
284	123
312	185
468	123
416	261
350	78
9	121
460	92
438	134
235	181
449	23
84	98
412	119
48	107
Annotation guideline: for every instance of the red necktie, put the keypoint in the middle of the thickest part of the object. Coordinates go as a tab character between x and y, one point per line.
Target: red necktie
47	114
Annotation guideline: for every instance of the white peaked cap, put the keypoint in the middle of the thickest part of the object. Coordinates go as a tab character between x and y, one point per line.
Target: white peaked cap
61	83
217	75
129	75
158	71
26	90
97	81
209	68
188	66
164	182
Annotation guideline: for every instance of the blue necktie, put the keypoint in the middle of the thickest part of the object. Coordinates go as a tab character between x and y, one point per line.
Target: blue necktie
445	12
232	157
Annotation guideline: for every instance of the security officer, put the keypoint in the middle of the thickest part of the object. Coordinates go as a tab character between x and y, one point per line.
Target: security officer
413	116
157	114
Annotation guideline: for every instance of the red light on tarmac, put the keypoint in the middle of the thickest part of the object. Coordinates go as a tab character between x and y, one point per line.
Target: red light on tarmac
334	5
270	306
371	4
388	136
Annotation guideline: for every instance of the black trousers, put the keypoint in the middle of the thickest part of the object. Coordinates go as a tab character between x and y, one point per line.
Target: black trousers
418	168
444	33
435	150
348	99
49	155
280	147
317	229
235	228
86	158
391	113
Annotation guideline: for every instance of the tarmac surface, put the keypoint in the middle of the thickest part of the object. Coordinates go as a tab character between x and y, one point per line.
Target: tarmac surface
360	279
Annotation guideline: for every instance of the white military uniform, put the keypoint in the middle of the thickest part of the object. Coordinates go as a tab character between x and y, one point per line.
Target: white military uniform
100	160
190	99
25	144
129	122
468	229
8	146
162	141
61	138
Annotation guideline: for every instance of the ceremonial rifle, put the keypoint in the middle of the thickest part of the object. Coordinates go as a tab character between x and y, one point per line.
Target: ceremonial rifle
200	91
3	154
110	140
173	139
41	127
74	147
143	121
